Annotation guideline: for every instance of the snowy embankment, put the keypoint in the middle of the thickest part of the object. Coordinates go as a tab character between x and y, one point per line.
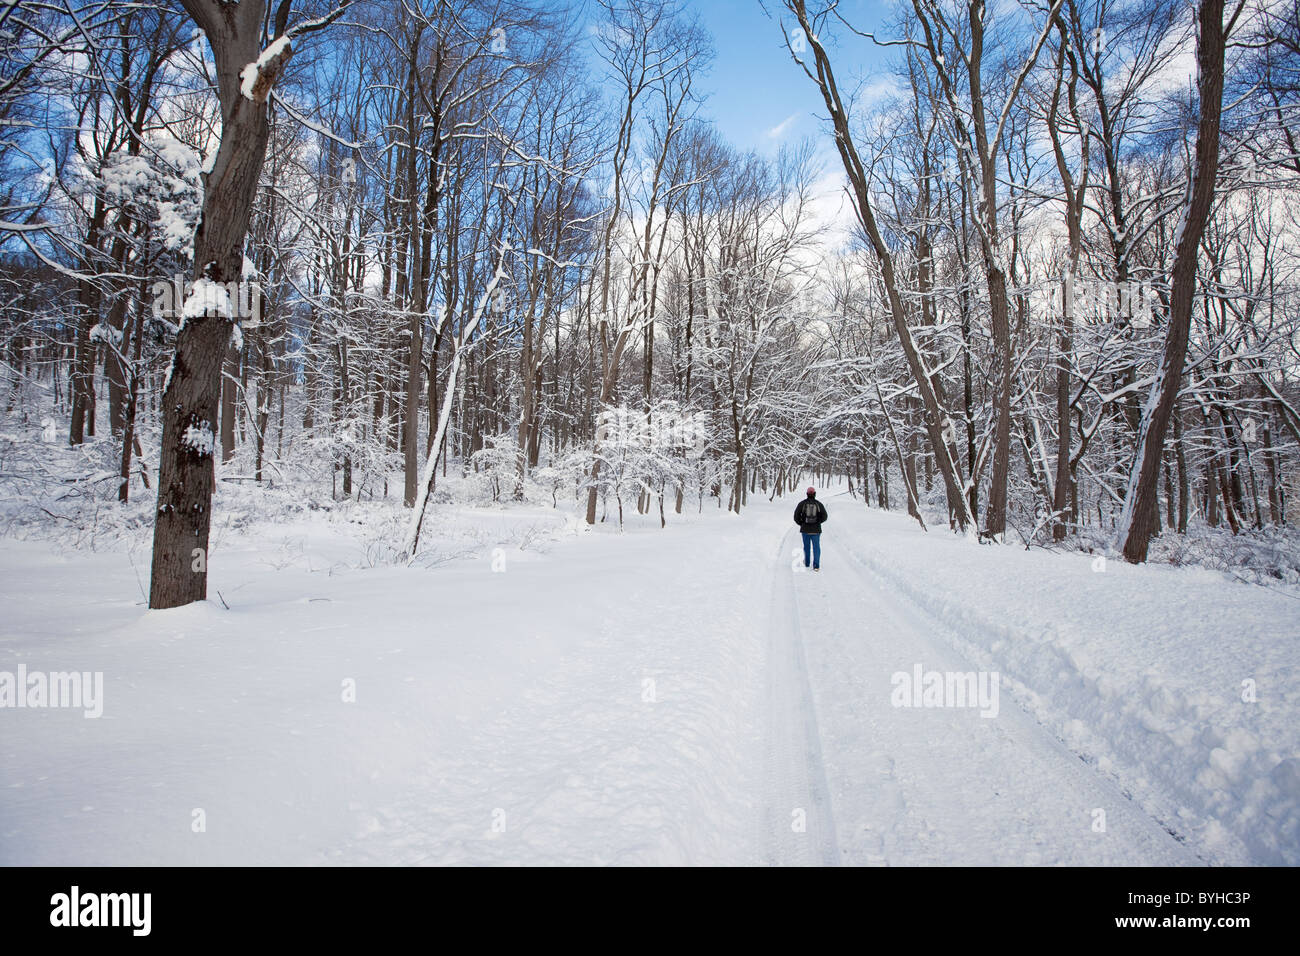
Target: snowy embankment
1180	683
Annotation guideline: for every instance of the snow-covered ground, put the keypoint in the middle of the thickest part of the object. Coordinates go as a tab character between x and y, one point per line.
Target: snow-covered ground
689	695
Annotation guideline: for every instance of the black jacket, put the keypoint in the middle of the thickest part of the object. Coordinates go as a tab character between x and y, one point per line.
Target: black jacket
802	514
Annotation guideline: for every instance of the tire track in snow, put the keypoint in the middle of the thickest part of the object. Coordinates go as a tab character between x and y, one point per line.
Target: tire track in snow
967	791
798	819
1087	776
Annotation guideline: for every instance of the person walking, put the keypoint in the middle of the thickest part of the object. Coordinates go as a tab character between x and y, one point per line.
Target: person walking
810	515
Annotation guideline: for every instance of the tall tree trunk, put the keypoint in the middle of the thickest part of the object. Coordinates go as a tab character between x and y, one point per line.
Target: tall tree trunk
1139	518
1184	482
935	420
186	472
82	378
228	405
129	439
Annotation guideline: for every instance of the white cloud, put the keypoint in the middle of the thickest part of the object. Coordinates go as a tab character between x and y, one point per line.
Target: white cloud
780	129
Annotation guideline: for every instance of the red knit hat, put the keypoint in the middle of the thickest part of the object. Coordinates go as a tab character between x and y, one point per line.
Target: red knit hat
812	491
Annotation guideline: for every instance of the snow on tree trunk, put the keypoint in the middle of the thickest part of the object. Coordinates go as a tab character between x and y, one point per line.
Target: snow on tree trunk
192	394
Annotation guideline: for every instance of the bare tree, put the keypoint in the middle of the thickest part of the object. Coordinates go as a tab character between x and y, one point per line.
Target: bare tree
246	74
1140	516
937	424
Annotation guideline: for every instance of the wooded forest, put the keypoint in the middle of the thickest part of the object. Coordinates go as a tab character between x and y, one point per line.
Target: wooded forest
355	248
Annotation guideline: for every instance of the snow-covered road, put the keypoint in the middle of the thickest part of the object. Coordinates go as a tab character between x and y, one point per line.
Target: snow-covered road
665	697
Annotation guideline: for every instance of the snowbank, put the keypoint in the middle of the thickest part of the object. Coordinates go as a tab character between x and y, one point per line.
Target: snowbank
1181	683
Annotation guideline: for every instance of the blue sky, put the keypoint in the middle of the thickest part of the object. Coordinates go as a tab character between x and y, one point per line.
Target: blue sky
754	87
759	98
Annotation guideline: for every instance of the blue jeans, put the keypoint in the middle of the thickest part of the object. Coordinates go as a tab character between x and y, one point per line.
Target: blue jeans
815	541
